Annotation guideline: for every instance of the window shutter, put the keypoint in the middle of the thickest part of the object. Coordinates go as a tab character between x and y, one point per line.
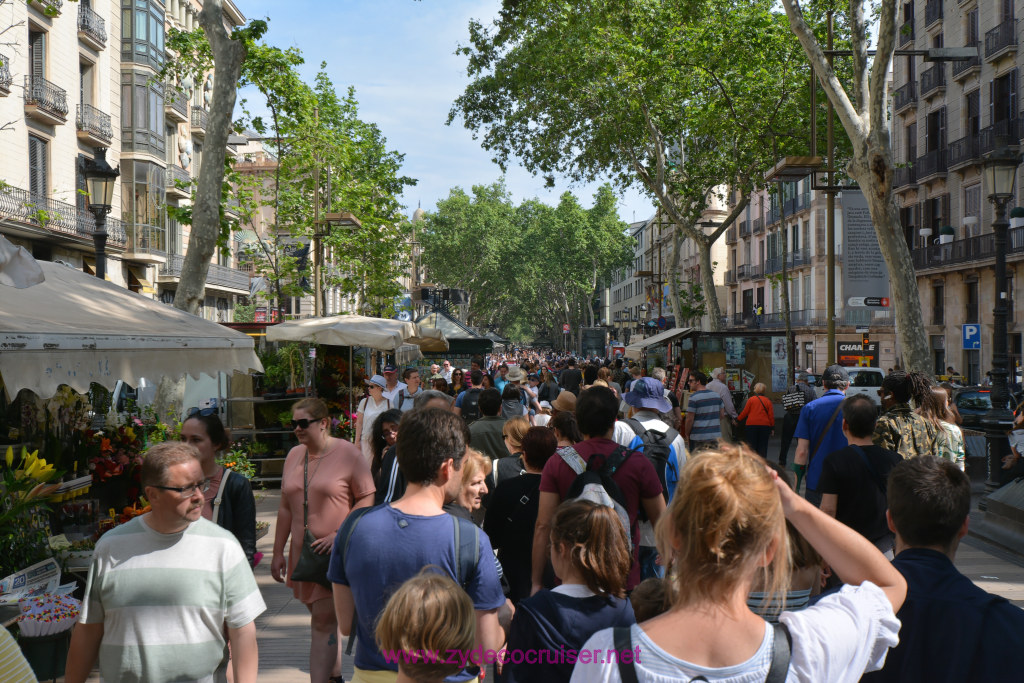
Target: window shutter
37	54
37	167
942	129
1012	113
991	102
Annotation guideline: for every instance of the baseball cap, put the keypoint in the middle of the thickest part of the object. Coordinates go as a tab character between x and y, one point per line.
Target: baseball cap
835	373
802	377
390	368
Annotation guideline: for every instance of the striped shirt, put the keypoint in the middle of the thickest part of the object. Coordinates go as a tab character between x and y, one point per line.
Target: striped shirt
164	599
706	406
13	667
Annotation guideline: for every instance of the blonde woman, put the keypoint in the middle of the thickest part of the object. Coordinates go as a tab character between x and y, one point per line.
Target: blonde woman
725	527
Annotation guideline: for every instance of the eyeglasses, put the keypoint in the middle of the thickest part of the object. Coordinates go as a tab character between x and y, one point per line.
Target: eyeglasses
205	412
303	423
187	491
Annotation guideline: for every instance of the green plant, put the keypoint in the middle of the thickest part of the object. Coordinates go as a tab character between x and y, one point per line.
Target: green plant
23	509
285	418
237	460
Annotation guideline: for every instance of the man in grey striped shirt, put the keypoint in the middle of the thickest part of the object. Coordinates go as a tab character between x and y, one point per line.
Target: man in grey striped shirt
165	588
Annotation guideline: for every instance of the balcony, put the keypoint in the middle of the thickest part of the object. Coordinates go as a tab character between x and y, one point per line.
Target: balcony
872	317
931	165
1001	40
232	207
932	12
44	101
175	104
904	176
92	30
906	32
220	277
739	319
772	265
730	277
176	175
146	244
34	214
6	79
731	235
963	68
800	257
94	127
756	272
773	217
904	98
970	250
745	271
1001	133
200	120
933	81
759	227
964	152
50	8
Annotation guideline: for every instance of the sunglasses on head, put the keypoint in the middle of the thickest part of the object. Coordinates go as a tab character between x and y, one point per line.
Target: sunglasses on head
205	412
302	423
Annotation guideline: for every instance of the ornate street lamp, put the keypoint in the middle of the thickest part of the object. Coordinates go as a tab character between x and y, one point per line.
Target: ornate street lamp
99	180
1000	174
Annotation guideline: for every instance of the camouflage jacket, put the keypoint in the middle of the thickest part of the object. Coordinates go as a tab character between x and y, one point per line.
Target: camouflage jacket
902	430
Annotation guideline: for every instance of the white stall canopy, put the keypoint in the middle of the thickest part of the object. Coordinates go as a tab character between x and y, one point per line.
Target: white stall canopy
357	330
635	350
76	329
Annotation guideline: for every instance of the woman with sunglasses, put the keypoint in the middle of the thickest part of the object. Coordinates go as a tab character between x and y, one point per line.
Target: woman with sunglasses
372	405
336	479
458	383
234	508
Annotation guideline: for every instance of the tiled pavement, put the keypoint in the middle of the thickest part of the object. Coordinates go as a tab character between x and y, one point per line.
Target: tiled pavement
283	630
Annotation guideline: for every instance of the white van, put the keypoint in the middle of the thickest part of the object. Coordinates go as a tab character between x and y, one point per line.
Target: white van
866	381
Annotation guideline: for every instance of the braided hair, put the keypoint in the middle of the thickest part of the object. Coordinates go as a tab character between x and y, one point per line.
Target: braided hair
907	386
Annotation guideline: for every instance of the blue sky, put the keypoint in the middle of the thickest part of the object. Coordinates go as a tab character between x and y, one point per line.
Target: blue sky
400	56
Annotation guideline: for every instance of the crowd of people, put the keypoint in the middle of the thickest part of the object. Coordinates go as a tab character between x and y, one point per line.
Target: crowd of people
539	518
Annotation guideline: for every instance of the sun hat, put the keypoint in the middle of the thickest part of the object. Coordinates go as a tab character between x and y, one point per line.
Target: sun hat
379	381
515	374
648	393
566	402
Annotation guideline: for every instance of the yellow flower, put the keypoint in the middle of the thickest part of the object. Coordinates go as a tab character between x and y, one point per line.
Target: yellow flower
10	456
130	433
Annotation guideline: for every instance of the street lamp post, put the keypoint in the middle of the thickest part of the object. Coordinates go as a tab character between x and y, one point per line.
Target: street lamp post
1000	174
100	179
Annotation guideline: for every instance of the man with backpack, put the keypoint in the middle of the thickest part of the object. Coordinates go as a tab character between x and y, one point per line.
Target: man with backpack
597	469
467	403
663	446
793	401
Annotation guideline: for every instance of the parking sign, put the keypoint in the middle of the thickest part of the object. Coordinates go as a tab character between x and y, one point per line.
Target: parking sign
972	337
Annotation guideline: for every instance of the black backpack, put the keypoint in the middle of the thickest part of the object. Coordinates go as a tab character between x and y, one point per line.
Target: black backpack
471	405
594	481
657	449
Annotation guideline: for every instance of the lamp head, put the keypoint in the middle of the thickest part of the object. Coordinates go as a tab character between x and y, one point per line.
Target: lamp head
1000	173
99	180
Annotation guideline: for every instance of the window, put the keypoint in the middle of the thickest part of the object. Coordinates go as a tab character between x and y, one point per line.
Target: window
37	53
85	89
142	115
938	303
807	293
938	346
910	143
935	131
38	167
972	209
972	312
142	32
1002	99
142	196
972	113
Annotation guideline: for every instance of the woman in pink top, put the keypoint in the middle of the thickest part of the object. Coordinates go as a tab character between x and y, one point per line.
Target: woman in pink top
339	481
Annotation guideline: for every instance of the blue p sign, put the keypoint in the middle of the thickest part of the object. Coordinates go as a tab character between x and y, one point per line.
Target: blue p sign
972	337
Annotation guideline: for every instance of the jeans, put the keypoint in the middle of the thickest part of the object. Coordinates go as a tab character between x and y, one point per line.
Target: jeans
649	568
788	429
756	437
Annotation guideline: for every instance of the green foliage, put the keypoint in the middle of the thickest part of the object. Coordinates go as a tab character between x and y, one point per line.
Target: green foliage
245	313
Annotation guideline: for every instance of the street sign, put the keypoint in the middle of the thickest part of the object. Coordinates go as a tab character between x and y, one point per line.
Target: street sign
565	328
971	337
662	323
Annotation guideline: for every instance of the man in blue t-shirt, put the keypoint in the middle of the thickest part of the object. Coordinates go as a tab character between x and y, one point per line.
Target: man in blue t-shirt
393	542
815	418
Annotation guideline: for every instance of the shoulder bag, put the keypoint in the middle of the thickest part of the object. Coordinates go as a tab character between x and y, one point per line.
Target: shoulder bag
312	566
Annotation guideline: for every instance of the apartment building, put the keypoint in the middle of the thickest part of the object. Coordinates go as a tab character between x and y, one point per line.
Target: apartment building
81	76
790	231
947	117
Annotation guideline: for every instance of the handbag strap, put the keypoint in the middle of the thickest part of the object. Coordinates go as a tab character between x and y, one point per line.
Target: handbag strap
821	439
305	491
220	494
767	412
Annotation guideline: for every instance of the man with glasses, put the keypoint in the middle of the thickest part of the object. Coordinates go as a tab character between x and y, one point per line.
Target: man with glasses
168	590
446	371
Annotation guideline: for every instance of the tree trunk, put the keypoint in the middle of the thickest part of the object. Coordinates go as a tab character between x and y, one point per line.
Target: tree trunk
673	274
228	56
707	283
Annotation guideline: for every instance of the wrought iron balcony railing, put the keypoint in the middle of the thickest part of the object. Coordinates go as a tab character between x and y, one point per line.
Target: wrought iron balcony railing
55	216
91	120
92	25
1001	39
46	96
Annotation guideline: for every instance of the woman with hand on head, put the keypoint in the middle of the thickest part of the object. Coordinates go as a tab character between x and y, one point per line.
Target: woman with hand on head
334	477
726	526
229	501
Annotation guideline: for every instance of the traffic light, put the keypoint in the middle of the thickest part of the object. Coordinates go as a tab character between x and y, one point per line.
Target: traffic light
866	341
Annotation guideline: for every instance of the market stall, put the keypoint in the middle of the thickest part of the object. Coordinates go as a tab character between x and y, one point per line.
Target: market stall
463	342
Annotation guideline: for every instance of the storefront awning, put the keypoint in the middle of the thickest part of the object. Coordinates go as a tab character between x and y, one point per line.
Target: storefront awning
635	350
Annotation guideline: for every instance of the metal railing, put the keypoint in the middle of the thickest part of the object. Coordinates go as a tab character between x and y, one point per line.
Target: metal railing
966	150
730	277
977	248
963	66
54	215
93	121
50	7
744	272
904	175
217	276
177	173
731	235
904	97
200	118
906	32
932	163
755	271
758	225
1001	38
872	317
1000	134
46	95
176	100
933	79
742	318
746	227
92	24
146	239
773	216
932	12
6	79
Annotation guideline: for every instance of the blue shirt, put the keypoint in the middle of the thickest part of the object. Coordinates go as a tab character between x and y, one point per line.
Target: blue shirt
386	548
813	418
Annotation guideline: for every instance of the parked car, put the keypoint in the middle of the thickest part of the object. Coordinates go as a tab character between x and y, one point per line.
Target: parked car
974	403
866	381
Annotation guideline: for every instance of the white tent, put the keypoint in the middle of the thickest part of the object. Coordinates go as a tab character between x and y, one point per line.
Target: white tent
635	350
76	329
357	330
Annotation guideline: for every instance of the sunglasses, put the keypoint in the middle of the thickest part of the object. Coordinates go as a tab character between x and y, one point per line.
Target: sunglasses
303	423
205	412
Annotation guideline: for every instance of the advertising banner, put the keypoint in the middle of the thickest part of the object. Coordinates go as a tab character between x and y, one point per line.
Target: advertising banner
855	354
865	275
